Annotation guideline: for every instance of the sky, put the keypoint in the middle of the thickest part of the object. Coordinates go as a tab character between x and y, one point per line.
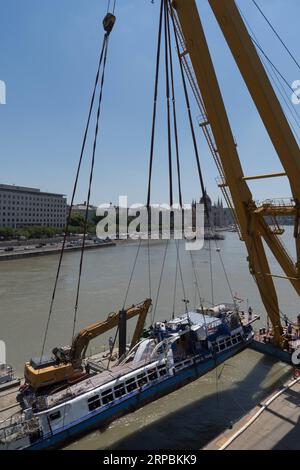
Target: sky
49	52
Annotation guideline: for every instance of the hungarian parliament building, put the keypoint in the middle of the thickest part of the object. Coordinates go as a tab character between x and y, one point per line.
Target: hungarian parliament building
219	216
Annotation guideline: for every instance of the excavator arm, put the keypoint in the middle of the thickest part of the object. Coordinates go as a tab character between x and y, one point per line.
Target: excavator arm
253	227
82	340
67	367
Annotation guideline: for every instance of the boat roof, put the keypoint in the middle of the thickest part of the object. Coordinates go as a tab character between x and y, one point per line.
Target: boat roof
202	319
195	318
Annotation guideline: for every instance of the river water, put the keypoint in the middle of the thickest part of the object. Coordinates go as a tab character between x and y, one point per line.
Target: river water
187	418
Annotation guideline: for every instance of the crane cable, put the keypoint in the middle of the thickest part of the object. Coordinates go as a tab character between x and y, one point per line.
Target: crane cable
265	55
114	6
190	115
53	296
174	113
256	43
155	104
187	100
154	115
168	103
203	190
162	20
170	96
281	314
276	33
265	60
286	99
106	40
160	280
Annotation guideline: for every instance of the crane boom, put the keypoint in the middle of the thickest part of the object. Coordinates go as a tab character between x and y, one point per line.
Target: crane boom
270	110
253	227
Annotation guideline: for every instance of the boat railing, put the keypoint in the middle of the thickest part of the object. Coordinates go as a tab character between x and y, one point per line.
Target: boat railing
6	371
17	427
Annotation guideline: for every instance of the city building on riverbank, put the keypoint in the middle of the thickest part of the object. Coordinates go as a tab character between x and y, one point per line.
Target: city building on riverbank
80	209
24	207
219	216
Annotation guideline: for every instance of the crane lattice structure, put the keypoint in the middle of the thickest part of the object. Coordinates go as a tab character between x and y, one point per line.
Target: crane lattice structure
250	217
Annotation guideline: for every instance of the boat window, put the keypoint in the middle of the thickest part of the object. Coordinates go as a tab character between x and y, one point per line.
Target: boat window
222	346
239	337
129	381
228	342
152	374
94	402
107	396
131	385
119	390
142	375
142	379
162	372
55	416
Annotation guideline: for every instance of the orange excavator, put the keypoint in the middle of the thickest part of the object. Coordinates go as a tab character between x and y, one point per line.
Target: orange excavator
66	364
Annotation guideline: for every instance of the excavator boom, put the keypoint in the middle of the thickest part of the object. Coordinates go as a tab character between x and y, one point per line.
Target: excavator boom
39	375
83	338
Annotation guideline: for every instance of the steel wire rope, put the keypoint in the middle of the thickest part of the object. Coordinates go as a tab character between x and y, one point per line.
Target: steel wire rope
196	151
73	197
276	33
160	281
154	114
168	104
181	273
175	288
90	185
174	109
278	74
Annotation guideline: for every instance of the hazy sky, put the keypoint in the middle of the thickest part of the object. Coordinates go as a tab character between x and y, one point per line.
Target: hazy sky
48	55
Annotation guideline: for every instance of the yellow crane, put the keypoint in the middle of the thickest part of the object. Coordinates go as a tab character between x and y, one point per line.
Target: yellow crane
253	227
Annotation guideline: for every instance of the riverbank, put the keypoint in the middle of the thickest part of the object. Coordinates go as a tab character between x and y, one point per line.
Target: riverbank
20	253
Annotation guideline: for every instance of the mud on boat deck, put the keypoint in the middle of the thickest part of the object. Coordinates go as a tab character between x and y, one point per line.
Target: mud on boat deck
91	383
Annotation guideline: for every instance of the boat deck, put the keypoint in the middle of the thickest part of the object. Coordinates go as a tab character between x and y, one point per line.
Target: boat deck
92	382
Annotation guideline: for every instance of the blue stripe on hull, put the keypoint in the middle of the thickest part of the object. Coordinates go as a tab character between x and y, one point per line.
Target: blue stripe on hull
179	379
269	349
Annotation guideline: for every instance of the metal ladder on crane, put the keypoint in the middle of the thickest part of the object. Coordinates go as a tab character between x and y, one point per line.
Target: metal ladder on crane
204	123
